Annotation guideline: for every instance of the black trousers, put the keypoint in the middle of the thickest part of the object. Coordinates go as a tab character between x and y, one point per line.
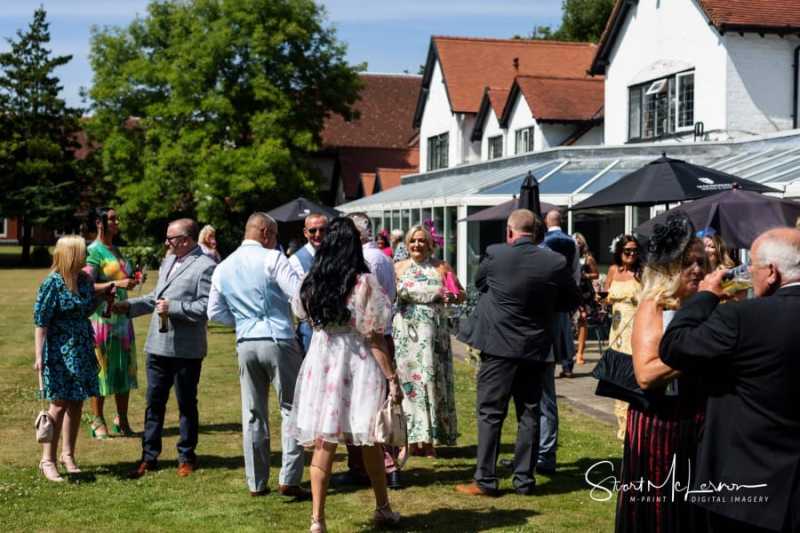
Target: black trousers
499	380
162	374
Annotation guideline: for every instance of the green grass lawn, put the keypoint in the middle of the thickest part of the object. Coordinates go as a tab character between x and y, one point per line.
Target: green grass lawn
216	498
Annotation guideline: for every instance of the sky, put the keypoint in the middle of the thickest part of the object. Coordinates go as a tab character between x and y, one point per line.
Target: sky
389	35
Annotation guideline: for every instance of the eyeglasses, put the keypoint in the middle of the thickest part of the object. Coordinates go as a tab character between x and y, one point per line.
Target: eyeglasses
313	231
630	251
172	238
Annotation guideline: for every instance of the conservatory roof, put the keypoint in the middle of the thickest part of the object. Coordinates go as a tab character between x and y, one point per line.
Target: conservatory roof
570	174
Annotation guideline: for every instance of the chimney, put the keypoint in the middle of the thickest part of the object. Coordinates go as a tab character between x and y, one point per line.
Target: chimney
516	63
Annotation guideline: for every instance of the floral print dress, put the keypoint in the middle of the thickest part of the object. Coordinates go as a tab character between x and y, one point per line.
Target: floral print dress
340	387
69	368
115	346
424	356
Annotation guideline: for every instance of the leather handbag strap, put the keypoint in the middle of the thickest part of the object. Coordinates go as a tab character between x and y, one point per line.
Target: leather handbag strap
621	331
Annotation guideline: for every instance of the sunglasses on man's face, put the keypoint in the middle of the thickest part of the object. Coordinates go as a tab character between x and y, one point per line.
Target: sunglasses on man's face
314	231
630	251
170	239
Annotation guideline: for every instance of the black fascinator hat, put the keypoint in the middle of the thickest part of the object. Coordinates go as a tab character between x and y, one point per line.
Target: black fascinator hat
669	240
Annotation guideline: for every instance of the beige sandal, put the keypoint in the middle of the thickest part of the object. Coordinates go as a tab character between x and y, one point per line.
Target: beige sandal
49	471
69	464
317	526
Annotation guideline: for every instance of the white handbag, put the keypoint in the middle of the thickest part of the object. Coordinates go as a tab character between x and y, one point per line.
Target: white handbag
44	422
390	425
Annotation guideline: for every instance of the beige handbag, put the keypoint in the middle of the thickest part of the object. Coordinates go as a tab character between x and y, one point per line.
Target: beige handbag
390	425
44	422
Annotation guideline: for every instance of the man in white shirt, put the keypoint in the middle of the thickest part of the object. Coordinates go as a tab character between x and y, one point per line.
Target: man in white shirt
251	290
314	229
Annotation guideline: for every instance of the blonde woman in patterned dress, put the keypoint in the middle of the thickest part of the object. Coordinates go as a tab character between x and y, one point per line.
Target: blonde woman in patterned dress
422	341
623	284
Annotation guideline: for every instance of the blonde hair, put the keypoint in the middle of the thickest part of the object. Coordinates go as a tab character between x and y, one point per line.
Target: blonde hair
428	238
662	284
207	230
69	258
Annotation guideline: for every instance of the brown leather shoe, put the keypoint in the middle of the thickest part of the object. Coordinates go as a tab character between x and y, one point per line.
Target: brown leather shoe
141	469
186	469
294	491
473	489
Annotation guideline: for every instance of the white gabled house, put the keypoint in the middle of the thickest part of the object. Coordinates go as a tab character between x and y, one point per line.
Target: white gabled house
457	73
699	69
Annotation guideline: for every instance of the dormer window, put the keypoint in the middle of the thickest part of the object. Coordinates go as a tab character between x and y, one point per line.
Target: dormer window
495	146
523	140
661	107
438	148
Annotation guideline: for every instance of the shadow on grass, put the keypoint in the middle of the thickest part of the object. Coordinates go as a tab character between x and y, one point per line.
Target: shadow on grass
445	519
570	477
229	427
468	452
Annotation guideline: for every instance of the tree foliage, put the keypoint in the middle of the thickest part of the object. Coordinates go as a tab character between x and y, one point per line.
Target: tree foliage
38	173
581	21
210	108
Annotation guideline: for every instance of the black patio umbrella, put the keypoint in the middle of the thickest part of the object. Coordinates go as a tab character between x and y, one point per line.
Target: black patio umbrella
529	194
739	216
667	180
298	209
501	211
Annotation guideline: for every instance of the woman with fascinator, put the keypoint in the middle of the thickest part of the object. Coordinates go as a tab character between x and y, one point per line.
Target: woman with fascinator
661	442
422	344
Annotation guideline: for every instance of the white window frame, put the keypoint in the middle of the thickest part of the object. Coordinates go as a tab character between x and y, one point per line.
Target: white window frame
441	143
518	134
489	152
678	101
4	225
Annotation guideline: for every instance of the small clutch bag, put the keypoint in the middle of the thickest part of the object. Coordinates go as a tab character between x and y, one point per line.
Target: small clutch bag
44	427
390	425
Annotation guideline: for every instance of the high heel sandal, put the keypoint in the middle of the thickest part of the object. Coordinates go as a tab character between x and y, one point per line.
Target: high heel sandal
120	426
68	462
50	472
384	516
317	526
94	429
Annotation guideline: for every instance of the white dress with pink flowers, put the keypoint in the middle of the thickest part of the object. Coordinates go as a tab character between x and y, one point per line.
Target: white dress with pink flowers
340	388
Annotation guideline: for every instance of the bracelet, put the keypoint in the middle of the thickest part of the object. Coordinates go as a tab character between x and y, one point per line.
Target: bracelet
390	378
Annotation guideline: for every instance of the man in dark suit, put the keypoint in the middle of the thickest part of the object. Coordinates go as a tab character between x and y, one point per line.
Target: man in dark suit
522	285
751	439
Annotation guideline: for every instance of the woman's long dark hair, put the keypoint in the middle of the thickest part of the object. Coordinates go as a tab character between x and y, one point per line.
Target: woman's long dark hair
620	245
99	214
337	264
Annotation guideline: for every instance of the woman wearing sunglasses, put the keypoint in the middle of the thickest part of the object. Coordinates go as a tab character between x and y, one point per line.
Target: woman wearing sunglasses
623	284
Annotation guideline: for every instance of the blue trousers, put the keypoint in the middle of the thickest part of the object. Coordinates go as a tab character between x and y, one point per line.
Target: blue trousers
548	421
304	332
162	374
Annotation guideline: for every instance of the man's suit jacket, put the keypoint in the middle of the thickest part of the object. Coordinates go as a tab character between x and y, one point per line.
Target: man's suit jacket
187	291
562	243
522	285
749	351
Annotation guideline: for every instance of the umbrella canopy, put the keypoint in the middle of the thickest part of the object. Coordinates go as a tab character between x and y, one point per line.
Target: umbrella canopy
298	209
667	180
501	211
739	216
529	194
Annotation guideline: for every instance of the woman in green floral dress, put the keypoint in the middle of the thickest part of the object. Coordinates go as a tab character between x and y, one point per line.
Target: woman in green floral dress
422	342
115	345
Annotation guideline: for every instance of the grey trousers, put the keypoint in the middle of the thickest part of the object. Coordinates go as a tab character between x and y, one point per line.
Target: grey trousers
262	362
548	421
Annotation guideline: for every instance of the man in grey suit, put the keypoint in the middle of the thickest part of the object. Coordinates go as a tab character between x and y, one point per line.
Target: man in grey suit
176	342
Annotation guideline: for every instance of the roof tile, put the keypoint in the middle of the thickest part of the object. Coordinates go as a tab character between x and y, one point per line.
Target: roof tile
563	100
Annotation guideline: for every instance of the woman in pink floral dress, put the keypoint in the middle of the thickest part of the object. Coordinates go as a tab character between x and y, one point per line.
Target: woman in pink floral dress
342	384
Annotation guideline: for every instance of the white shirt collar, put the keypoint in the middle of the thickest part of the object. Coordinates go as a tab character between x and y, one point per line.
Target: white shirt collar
251	242
553	228
311	249
370	244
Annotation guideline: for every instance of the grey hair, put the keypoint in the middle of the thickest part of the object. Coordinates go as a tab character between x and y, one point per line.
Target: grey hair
364	225
784	254
397	234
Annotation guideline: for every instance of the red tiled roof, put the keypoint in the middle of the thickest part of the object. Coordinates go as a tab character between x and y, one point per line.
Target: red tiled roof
368	183
390	177
559	99
769	16
470	64
497	99
387	103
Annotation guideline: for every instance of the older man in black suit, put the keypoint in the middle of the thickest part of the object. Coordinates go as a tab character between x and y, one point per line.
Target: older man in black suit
748	470
522	286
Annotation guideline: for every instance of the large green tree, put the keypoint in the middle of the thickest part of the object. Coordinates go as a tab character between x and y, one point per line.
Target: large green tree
37	135
210	108
581	20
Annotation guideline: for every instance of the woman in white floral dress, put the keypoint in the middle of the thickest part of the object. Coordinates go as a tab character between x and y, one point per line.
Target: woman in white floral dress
342	383
422	345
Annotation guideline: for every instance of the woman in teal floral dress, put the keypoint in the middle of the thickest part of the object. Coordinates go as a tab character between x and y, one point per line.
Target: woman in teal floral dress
422	342
64	349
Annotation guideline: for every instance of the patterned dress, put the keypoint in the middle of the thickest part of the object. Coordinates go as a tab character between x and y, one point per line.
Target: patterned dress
115	346
69	368
624	299
424	357
340	387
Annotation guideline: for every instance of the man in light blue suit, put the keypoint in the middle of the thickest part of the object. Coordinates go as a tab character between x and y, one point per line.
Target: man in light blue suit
251	290
314	229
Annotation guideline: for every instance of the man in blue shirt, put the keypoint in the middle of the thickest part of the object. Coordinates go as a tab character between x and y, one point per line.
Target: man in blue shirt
315	226
251	290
